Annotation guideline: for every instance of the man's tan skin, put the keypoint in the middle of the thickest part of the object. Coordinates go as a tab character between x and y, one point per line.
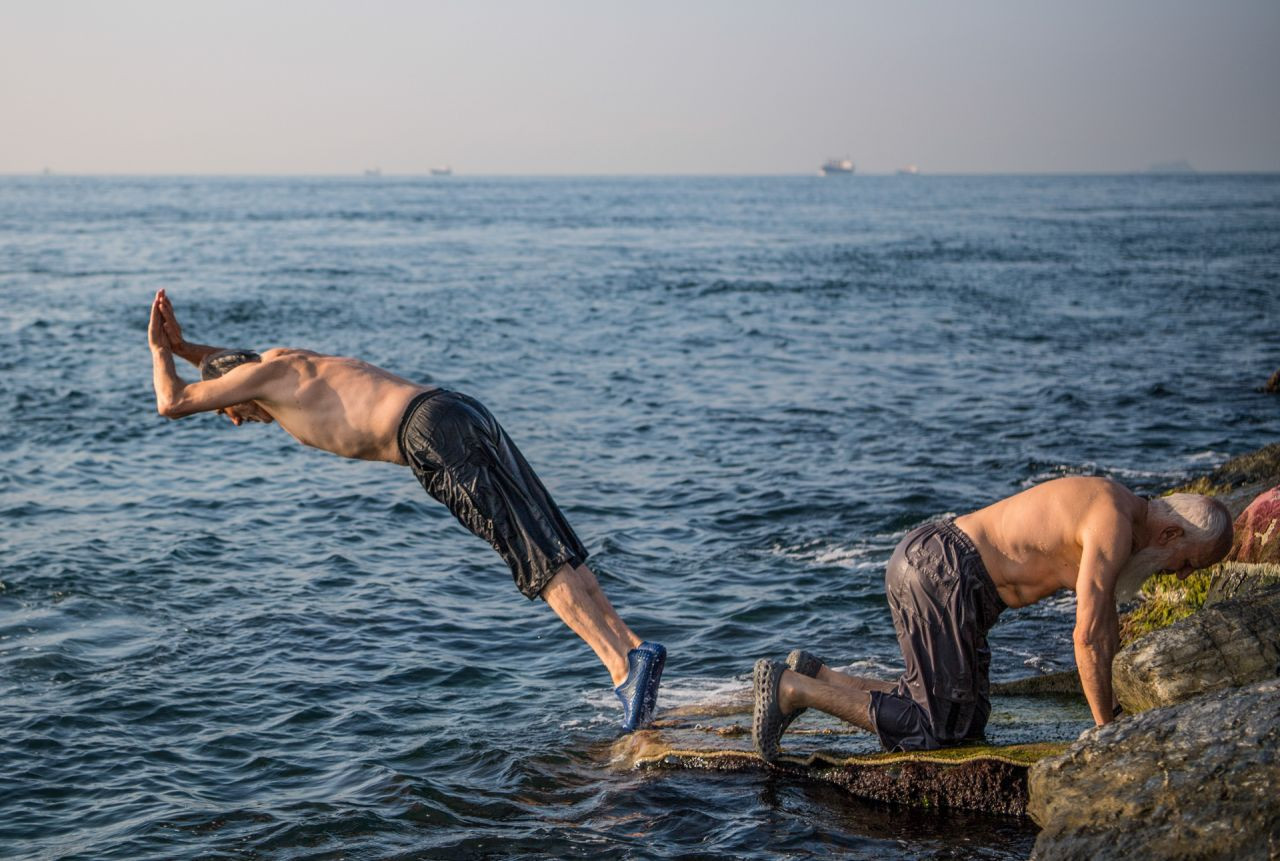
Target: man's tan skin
1071	533
353	409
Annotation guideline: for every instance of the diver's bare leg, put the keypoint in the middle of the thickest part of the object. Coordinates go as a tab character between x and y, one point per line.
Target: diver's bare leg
847	703
576	597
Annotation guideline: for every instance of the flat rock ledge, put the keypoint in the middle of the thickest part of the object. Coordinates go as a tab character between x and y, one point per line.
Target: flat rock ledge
1198	780
990	779
1231	643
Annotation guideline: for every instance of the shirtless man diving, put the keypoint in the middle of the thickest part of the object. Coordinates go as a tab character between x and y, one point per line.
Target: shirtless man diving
456	449
948	581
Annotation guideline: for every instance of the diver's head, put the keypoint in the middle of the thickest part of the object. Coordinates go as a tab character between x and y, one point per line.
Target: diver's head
215	365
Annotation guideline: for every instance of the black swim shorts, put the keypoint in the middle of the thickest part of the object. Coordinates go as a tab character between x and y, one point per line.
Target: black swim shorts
943	603
464	458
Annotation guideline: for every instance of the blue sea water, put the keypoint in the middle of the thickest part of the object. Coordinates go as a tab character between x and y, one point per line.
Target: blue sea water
742	391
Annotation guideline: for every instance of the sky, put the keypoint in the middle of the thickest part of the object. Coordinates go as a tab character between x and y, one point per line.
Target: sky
606	87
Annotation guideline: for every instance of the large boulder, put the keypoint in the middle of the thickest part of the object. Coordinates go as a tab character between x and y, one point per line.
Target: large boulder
1257	530
1196	780
1231	643
1240	580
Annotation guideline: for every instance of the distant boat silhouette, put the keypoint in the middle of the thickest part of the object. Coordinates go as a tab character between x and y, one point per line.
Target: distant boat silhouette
443	170
909	170
373	171
838	167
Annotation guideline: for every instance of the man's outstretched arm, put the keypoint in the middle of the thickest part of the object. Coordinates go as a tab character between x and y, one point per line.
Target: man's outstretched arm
1097	633
176	398
193	353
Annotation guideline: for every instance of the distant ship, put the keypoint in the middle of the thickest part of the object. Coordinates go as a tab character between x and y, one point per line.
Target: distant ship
373	171
909	170
838	167
443	170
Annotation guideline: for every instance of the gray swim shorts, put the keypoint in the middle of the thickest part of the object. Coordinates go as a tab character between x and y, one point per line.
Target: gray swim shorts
943	603
463	458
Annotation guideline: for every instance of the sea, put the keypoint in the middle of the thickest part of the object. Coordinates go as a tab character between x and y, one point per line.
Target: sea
742	391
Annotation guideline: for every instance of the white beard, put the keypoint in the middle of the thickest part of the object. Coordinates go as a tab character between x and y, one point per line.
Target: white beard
1135	572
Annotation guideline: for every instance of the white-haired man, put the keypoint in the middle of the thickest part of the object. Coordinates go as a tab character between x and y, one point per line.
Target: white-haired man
948	581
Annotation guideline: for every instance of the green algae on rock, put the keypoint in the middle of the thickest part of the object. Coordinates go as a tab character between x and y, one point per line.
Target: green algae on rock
987	778
1245	471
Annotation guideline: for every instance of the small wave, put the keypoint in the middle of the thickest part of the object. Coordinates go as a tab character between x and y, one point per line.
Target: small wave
854	558
1091	468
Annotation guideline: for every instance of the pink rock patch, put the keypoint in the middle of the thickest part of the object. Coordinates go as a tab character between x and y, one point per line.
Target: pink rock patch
1257	537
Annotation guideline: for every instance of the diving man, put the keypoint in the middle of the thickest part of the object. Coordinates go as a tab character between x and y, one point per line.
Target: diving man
454	446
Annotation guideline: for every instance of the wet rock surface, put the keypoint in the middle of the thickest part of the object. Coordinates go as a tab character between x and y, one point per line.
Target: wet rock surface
1232	643
1062	683
1262	465
1234	580
1273	384
1195	780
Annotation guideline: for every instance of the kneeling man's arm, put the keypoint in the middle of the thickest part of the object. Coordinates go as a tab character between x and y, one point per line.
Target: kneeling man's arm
1096	637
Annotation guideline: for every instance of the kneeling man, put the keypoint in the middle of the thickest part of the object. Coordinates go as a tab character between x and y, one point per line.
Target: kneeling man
455	447
947	582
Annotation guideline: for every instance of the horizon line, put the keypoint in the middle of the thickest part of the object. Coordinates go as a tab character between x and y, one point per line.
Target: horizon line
51	173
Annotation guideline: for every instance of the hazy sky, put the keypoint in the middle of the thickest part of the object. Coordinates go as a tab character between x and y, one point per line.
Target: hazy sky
654	87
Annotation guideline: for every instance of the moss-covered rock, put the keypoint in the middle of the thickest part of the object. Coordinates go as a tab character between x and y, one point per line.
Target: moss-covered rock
1165	600
990	777
987	778
1245	470
979	777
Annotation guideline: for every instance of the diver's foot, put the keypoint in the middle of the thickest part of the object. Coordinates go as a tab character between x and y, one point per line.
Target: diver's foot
639	692
768	720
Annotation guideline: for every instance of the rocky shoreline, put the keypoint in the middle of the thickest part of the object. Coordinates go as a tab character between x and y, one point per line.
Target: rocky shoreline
1191	770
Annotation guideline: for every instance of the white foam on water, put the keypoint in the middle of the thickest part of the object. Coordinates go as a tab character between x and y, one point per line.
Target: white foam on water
688	692
823	554
1092	468
1216	458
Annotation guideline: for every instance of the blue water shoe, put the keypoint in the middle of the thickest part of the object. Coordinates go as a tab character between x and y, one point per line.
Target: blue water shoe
639	693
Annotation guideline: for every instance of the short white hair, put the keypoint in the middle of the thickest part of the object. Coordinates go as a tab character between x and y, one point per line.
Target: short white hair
1203	519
